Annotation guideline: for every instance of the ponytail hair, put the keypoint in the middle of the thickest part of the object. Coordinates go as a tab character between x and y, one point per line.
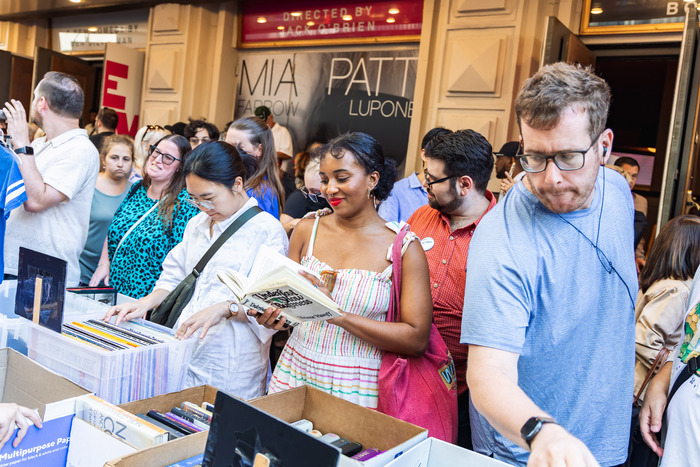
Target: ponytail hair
259	134
219	162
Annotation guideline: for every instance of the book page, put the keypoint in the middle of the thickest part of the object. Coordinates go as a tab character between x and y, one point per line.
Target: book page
282	277
268	260
235	281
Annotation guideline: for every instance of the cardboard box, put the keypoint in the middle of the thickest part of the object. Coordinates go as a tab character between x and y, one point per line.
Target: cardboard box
328	414
27	383
436	453
332	414
177	449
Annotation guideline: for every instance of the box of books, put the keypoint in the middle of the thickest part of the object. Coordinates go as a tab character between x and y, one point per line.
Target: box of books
136	360
376	437
176	450
436	453
275	424
28	384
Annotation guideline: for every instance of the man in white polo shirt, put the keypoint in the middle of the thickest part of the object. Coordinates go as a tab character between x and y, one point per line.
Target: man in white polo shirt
59	172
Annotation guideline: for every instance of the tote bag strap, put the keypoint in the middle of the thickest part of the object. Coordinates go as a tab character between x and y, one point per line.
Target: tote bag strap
394	312
659	361
230	230
131	229
689	370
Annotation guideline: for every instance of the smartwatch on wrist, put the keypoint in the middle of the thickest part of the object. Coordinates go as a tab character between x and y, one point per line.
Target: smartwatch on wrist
28	150
532	427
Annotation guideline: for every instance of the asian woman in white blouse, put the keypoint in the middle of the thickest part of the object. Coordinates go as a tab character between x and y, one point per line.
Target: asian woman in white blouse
232	352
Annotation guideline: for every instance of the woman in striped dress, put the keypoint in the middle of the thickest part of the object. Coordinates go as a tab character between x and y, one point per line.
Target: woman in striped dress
351	251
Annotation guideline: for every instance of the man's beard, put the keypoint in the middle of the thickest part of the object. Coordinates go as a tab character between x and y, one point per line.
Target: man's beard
448	208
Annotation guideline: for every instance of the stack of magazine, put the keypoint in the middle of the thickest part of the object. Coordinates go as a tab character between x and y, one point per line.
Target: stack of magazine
132	361
106	336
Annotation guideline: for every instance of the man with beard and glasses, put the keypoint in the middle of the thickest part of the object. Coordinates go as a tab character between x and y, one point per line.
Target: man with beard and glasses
59	172
551	286
457	169
408	194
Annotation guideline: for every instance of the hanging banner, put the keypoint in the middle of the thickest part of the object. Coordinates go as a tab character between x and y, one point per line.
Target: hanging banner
90	33
292	23
121	85
318	96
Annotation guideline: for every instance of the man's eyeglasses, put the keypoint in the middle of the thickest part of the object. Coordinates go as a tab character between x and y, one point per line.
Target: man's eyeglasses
315	197
430	183
564	160
167	159
195	140
203	204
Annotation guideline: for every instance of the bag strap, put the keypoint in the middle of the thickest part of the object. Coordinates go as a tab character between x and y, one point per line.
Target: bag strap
658	363
394	312
134	225
687	372
230	230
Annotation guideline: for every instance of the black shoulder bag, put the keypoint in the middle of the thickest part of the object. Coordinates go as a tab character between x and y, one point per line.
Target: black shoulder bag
690	368
168	312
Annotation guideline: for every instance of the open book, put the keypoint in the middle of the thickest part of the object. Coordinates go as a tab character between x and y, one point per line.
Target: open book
275	281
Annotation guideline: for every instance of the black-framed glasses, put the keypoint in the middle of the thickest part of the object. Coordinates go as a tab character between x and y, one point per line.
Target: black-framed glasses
315	197
564	160
167	159
430	183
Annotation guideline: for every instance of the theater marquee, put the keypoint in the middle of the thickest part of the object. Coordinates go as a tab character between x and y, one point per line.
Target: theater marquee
313	22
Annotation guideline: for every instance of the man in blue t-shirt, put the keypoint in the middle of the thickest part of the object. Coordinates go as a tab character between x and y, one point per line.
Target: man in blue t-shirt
12	193
550	321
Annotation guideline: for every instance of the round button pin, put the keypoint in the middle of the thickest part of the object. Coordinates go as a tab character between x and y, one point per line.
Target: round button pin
427	243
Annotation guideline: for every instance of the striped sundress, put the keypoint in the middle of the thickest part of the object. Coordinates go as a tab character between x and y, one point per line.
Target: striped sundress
326	356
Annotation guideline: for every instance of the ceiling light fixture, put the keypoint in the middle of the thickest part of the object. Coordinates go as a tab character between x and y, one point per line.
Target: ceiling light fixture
596	11
92	29
281	28
391	20
75	1
262	19
347	18
310	23
393	11
296	13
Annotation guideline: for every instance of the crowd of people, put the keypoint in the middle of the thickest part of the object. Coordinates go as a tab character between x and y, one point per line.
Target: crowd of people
566	335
